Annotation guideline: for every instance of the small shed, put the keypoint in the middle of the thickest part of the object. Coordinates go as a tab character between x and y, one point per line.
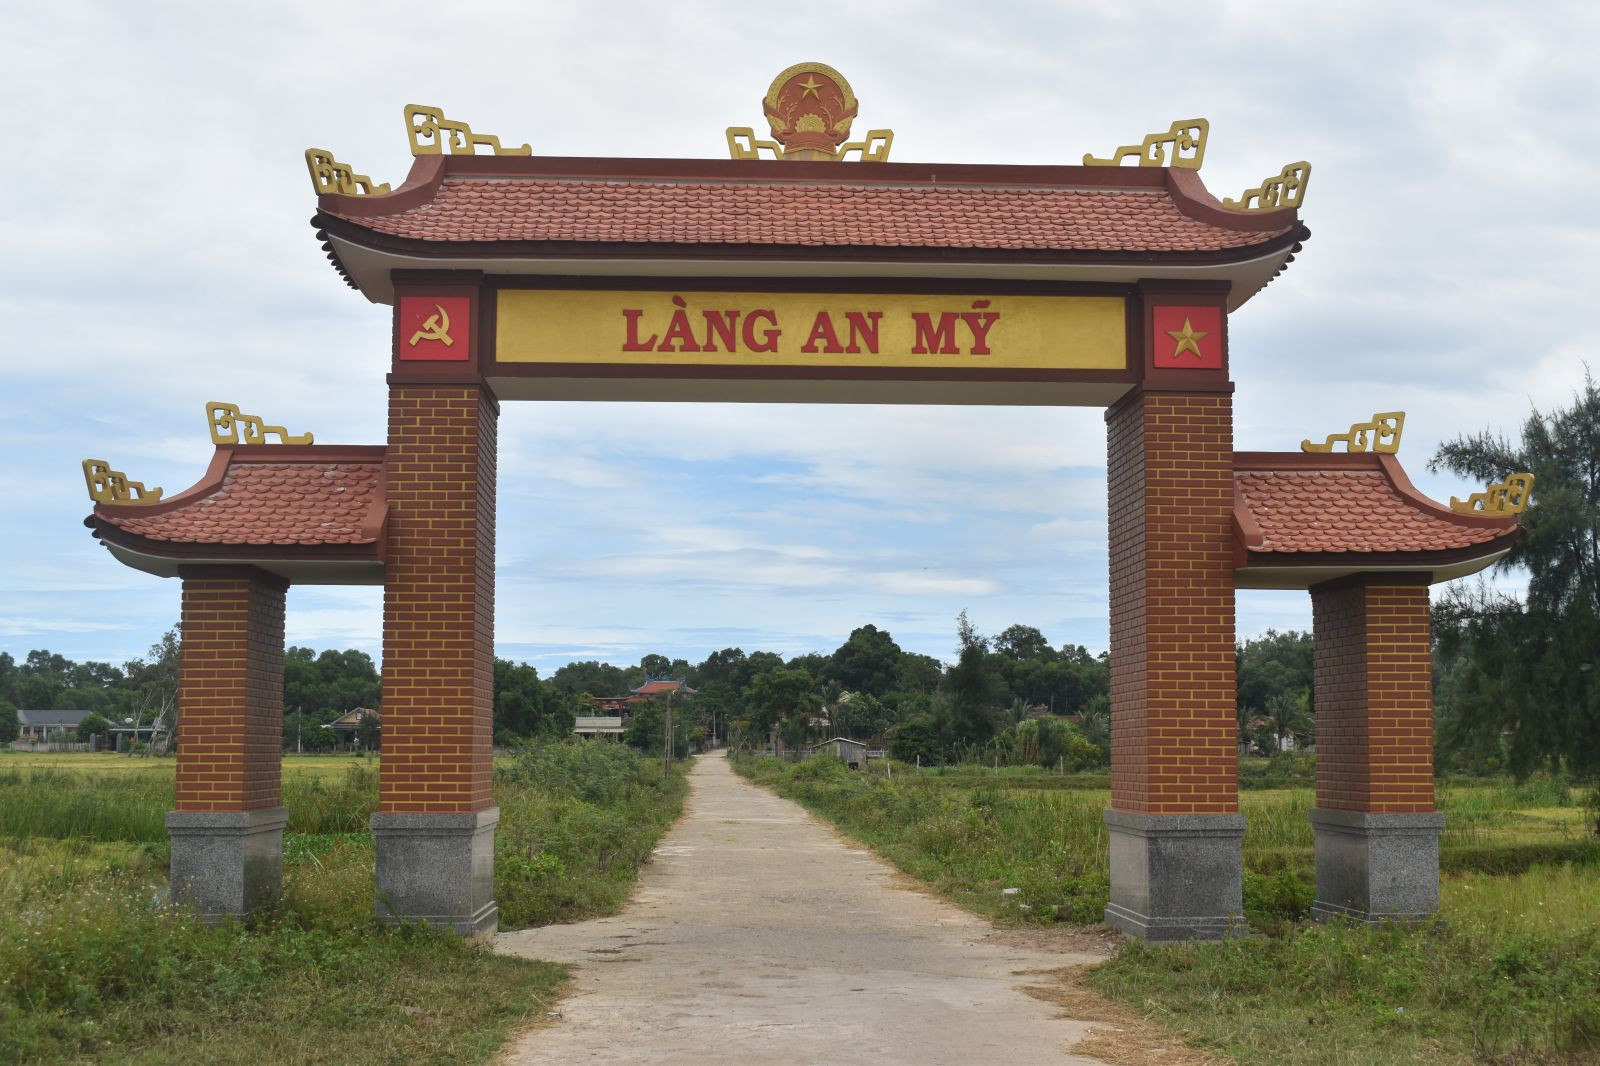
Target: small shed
852	753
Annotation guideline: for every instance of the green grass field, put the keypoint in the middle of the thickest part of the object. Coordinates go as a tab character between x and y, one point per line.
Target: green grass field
94	969
1511	973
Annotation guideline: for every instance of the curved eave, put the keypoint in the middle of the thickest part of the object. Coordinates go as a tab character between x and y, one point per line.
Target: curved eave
360	563
366	258
1301	570
356	564
1257	569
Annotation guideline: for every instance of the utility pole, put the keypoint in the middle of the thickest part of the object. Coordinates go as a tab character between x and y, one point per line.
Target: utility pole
666	754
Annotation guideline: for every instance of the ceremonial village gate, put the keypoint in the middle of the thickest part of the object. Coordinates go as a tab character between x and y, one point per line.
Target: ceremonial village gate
807	278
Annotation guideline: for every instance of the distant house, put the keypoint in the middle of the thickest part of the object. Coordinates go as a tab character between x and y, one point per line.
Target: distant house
48	725
348	725
615	711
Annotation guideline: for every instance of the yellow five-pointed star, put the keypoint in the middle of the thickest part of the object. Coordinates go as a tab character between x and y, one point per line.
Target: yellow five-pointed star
1186	338
811	85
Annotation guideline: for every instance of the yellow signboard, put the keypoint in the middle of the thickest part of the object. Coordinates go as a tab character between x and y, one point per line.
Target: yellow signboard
811	329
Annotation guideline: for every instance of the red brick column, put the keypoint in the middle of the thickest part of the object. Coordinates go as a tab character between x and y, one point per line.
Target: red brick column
1377	835
1374	678
227	831
438	654
1174	754
1170	482
230	690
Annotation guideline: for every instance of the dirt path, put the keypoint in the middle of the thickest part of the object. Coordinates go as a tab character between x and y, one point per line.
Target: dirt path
756	935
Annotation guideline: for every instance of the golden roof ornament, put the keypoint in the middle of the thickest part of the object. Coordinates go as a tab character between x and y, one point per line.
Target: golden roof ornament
1381	435
112	486
809	108
1284	189
230	426
1502	498
1183	145
433	134
328	175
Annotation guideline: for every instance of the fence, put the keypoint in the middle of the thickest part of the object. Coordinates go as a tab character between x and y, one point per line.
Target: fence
52	745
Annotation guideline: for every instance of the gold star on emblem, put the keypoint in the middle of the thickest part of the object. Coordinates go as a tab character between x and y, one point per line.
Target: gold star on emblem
810	87
1186	338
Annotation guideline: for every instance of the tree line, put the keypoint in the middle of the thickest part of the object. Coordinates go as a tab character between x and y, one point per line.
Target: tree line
1014	696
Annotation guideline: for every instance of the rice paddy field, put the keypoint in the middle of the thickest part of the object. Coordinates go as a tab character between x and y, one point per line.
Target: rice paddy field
1510	973
95	968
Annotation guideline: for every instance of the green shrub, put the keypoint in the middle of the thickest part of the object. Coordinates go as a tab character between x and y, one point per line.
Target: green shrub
1286	769
577	818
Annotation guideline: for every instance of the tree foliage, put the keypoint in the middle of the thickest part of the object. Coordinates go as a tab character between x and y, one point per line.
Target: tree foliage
92	725
1526	668
525	706
973	688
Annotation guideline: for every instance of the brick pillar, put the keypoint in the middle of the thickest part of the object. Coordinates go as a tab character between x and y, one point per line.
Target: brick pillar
435	821
227	831
1176	833
1376	829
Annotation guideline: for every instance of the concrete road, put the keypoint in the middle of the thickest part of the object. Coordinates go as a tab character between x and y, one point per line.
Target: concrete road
756	935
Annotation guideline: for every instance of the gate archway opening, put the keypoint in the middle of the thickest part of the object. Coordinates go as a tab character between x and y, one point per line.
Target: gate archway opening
820	278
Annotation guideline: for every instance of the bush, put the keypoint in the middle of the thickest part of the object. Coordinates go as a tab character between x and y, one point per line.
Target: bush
1287	769
92	726
577	818
916	740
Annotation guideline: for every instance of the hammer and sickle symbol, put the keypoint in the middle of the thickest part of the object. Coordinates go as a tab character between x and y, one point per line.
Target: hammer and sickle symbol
435	327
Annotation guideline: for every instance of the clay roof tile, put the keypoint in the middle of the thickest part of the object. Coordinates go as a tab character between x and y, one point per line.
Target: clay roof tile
481	209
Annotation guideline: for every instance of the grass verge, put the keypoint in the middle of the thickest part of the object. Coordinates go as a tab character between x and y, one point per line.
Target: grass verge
93	968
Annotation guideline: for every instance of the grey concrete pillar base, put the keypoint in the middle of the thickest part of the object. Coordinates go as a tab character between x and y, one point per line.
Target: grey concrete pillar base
1176	876
227	864
439	869
1377	867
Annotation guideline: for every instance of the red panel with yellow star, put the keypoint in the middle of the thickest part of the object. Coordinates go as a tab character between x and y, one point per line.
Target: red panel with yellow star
1187	338
434	328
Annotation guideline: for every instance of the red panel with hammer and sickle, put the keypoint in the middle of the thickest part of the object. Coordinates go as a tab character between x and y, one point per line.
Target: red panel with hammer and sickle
435	328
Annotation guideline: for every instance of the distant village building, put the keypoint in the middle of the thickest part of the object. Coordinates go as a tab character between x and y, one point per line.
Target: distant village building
49	725
616	711
348	725
598	725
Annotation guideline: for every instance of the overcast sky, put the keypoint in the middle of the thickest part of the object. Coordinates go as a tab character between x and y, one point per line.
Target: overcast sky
158	256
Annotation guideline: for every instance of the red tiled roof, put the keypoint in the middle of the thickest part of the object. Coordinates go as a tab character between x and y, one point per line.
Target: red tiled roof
834	214
1304	504
659	685
263	499
269	503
